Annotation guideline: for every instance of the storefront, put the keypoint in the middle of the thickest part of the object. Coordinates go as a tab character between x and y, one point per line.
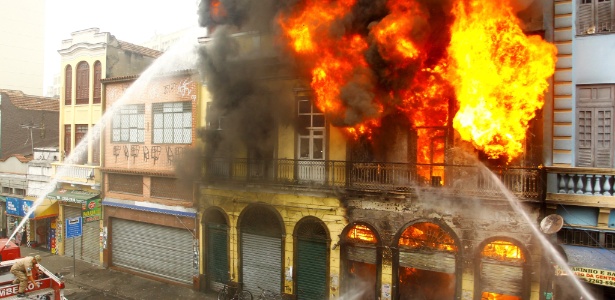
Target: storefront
78	203
151	239
595	267
39	229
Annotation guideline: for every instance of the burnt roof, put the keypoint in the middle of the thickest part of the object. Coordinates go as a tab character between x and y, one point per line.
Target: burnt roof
139	49
30	102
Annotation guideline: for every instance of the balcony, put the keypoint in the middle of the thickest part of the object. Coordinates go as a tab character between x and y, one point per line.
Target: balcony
80	174
581	181
525	183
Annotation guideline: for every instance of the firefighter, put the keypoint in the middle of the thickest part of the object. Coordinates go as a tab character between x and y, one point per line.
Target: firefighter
22	269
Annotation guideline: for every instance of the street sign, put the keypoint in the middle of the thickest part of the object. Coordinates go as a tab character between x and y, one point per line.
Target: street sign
73	227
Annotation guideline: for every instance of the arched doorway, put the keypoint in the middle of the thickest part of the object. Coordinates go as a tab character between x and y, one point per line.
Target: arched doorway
360	264
502	271
311	259
427	263
261	249
217	245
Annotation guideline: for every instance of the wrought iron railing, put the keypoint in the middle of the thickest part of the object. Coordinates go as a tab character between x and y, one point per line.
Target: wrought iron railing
81	173
526	183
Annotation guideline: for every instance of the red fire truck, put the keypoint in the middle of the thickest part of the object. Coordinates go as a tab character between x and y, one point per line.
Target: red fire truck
48	287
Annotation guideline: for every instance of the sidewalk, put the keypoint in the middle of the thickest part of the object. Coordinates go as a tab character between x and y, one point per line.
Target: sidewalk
111	282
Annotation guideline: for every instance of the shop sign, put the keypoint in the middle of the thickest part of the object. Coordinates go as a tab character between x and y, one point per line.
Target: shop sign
73	196
91	210
13	206
18	207
595	276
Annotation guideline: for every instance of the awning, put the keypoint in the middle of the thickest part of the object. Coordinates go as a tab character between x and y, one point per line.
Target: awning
593	265
151	207
588	257
76	196
46	208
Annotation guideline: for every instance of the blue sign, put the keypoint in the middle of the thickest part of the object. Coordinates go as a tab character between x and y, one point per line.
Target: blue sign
73	227
13	206
18	207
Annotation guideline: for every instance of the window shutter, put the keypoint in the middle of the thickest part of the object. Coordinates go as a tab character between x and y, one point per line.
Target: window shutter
585	17
584	138
604	137
604	12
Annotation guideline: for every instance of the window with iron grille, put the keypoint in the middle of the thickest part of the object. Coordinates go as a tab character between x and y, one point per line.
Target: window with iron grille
21	192
172	123
595	16
68	85
6	190
171	188
122	183
128	124
83	83
609	240
97	77
579	237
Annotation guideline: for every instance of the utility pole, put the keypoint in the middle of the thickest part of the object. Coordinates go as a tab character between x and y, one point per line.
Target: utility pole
31	126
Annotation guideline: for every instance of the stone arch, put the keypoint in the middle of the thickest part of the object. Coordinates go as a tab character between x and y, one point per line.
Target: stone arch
360	257
216	247
261	237
502	268
426	261
312	242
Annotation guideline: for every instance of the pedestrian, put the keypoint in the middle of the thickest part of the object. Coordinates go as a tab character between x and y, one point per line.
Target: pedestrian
22	269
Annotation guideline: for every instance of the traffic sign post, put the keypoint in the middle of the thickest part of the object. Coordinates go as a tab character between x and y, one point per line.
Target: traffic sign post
74	228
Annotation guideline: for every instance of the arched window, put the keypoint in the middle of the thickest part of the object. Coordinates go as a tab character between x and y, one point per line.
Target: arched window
68	85
83	83
427	263
97	77
502	271
360	262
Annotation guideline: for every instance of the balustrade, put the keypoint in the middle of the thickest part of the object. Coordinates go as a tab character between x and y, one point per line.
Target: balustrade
400	177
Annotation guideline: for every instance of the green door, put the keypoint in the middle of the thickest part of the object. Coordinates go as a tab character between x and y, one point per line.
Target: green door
217	256
311	269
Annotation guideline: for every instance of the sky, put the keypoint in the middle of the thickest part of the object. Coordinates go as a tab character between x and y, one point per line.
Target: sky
133	21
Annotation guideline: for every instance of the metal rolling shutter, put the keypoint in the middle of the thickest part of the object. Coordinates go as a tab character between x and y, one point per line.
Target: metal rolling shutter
217	256
161	251
262	262
497	277
435	261
311	269
90	242
72	212
361	254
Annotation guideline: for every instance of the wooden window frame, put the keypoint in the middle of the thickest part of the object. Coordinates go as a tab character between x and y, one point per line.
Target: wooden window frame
68	85
594	126
595	16
83	83
97	84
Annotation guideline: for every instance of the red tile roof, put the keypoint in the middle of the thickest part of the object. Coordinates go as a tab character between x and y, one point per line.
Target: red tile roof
29	102
139	49
19	157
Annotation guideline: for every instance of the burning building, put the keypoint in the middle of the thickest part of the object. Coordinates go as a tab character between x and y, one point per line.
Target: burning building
361	149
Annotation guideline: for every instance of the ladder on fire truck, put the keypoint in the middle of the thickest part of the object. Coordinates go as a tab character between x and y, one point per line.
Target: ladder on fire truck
49	286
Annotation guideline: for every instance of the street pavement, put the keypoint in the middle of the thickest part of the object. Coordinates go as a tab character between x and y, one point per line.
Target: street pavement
97	283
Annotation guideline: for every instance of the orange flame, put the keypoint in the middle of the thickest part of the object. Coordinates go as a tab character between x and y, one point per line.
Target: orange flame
494	296
499	75
427	235
487	68
361	233
502	250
